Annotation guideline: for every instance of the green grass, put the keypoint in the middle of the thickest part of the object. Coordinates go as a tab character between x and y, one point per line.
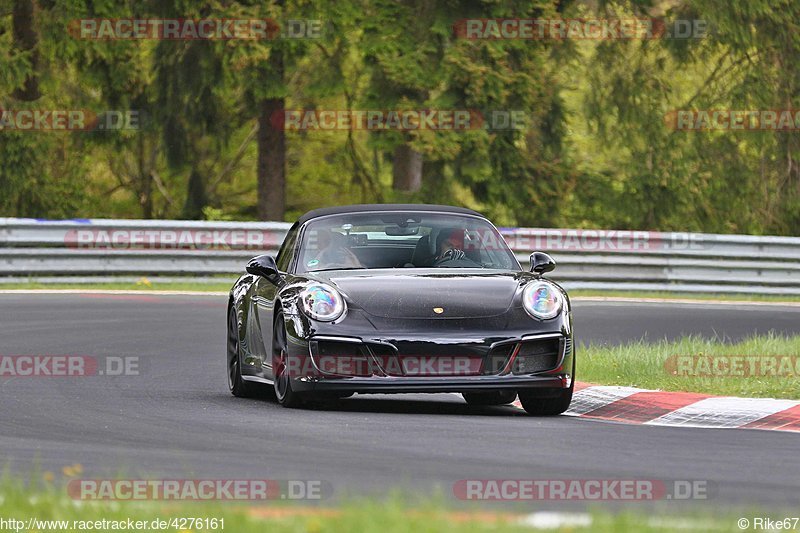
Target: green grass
644	365
686	296
48	500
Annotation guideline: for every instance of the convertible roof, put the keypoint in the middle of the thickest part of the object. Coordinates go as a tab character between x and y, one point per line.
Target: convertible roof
365	208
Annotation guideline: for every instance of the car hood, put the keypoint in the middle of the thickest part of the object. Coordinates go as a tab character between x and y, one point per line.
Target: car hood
457	293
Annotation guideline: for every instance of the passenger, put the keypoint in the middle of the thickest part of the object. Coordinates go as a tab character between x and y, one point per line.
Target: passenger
335	252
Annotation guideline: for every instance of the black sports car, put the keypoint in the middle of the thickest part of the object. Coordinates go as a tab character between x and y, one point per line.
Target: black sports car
400	298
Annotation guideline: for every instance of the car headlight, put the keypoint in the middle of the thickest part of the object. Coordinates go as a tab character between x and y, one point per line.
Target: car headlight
542	299
322	302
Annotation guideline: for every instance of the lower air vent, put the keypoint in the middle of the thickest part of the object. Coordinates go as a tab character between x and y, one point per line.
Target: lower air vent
342	358
537	356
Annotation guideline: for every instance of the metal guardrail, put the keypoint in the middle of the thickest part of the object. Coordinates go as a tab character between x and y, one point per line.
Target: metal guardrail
40	249
95	250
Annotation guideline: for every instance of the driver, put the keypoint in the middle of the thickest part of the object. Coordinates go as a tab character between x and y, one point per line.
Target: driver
450	245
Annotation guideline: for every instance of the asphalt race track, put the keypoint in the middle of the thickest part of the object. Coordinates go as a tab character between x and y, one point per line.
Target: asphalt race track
176	419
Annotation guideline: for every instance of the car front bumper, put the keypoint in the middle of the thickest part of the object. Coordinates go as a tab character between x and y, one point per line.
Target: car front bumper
389	385
486	373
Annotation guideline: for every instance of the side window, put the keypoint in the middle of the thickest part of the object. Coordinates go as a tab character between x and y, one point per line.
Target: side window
284	258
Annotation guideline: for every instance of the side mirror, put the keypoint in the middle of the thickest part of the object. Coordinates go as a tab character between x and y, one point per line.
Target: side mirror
541	263
263	265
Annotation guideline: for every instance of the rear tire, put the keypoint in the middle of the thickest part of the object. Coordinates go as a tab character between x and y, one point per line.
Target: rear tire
499	397
236	384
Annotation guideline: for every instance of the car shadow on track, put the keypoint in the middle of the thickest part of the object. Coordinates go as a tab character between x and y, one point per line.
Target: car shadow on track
399	404
390	404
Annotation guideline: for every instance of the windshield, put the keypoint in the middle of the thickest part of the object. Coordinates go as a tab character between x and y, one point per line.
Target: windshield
403	240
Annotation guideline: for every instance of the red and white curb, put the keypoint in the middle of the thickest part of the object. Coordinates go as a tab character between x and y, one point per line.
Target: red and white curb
686	409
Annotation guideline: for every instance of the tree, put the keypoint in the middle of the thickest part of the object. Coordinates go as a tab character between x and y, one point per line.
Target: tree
719	181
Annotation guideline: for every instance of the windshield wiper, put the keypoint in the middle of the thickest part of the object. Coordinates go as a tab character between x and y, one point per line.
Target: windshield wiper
338	268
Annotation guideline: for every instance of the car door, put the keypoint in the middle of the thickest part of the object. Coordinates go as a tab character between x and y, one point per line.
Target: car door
263	299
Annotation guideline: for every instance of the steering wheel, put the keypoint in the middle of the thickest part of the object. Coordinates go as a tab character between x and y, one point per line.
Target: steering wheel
455	256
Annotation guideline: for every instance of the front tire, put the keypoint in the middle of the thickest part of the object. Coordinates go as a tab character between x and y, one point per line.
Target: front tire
280	367
499	397
538	404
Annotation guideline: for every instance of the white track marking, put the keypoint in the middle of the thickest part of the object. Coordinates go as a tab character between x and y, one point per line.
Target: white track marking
554	520
723	412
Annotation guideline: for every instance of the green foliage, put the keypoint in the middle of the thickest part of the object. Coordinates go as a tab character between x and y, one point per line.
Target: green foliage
718	181
594	150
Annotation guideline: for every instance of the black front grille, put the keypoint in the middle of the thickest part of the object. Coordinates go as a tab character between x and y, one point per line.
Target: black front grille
434	359
537	356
